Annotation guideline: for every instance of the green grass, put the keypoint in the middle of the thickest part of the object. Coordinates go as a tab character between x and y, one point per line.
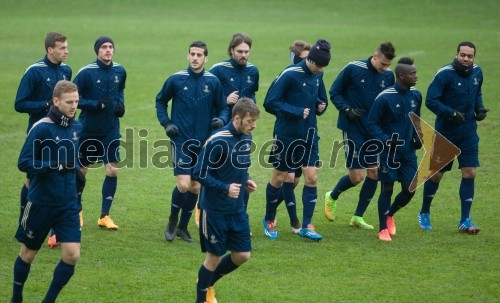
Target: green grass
135	264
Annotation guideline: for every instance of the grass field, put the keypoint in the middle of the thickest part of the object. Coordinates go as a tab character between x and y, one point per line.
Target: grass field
135	264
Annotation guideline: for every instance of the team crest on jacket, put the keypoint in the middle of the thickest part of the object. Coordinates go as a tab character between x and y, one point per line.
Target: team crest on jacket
476	82
75	137
206	90
382	84
413	104
249	81
116	79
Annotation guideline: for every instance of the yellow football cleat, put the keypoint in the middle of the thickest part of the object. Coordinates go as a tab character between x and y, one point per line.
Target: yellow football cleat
107	222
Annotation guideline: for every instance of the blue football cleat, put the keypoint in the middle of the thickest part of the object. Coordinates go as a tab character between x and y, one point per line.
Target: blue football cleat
468	227
424	220
310	233
269	229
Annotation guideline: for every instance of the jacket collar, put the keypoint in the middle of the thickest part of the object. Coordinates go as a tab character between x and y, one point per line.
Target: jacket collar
49	63
193	74
102	65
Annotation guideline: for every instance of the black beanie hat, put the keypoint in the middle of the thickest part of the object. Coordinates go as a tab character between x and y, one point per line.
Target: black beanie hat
320	53
100	41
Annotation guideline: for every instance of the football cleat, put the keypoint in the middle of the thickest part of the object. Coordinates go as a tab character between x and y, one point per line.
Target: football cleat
170	230
295	226
211	295
310	233
197	216
384	235
107	222
468	227
391	225
424	220
269	229
330	206
358	221
183	234
52	242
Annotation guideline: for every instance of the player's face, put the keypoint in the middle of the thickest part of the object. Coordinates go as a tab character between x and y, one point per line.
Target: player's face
197	59
59	52
247	124
240	53
380	62
303	54
105	53
410	78
466	56
67	103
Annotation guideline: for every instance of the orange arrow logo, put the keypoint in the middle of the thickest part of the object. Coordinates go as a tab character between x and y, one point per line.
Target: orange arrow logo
438	151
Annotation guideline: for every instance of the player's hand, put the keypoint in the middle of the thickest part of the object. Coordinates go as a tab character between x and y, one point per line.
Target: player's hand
119	110
216	123
458	117
232	98
234	190
172	130
306	112
102	103
80	181
354	114
321	107
481	114
251	186
416	141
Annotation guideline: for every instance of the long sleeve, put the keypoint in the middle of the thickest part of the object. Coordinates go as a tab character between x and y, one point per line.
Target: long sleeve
374	121
337	89
24	99
433	100
164	96
30	159
210	154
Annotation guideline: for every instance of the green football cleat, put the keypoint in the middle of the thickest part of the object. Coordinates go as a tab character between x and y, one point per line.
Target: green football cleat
330	205
358	221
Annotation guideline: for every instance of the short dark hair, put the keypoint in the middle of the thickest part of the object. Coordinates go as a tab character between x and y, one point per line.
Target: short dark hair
199	44
51	39
406	60
245	106
466	43
387	49
63	87
237	39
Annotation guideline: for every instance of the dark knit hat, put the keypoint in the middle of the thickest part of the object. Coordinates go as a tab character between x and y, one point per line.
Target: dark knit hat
100	41
320	53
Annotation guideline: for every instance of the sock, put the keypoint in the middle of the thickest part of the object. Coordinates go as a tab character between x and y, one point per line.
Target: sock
204	280
281	196
466	197
23	197
309	196
430	189
271	201
187	208
246	197
62	273
21	272
108	194
177	202
287	190
384	203
225	266
365	196
343	185
401	200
